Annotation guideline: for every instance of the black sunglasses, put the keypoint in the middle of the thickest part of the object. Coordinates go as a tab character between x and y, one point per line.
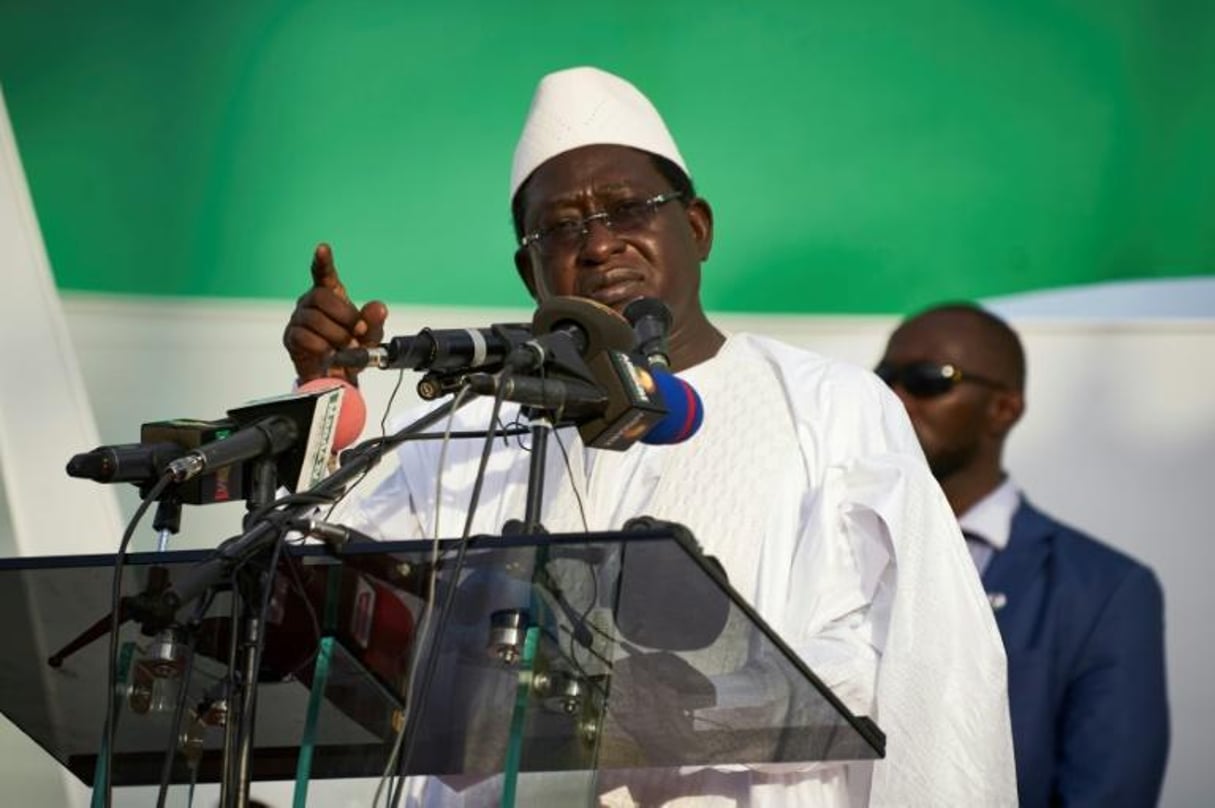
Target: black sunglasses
929	379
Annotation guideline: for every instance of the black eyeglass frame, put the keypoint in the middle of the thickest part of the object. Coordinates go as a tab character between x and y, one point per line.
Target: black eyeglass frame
927	379
571	232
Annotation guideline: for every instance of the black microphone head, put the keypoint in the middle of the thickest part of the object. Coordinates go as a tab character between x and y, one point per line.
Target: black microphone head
647	307
137	463
94	465
651	321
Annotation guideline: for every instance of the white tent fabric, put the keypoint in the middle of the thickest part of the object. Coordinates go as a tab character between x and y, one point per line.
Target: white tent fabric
44	418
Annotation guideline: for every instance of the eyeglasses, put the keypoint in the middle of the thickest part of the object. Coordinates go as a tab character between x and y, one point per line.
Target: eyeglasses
929	379
626	216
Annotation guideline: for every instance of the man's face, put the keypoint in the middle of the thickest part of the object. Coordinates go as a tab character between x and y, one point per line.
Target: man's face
962	426
612	266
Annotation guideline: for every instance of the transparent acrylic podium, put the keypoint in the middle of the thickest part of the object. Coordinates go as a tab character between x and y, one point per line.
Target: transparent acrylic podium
563	663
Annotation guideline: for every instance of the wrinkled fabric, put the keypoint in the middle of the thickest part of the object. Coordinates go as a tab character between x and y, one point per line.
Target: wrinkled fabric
807	483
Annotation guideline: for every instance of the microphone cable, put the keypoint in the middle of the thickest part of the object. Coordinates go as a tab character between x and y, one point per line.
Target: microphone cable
431	661
378	446
249	703
109	732
419	640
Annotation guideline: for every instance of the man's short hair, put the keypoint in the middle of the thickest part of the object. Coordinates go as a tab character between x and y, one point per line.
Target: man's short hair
1003	339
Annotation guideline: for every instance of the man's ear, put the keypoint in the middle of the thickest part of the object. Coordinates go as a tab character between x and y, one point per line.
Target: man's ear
1006	409
523	265
700	217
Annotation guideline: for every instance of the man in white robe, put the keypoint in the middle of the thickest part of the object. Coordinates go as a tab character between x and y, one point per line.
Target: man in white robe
805	481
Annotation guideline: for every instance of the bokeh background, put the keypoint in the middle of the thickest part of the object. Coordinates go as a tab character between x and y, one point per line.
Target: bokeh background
860	157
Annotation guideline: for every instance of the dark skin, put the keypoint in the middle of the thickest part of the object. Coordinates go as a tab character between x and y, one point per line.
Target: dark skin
963	431
662	261
325	320
612	268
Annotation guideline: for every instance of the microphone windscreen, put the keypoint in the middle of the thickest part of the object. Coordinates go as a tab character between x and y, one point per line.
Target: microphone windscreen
602	327
352	416
685	412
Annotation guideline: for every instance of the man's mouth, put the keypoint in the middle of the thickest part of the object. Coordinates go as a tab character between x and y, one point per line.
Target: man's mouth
616	287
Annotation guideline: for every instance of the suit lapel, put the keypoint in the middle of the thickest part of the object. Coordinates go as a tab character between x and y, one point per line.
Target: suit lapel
1013	569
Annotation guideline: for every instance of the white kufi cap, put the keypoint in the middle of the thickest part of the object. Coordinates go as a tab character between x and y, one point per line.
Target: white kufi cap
585	106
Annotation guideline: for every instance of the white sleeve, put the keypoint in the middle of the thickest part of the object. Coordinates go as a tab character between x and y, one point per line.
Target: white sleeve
892	615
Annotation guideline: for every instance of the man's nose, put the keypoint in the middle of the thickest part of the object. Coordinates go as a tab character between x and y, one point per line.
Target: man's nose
599	239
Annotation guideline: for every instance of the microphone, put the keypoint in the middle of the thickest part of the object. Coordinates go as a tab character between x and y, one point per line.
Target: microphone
651	321
645	403
628	402
571	397
264	437
352	415
303	429
565	326
448	349
162	442
685	411
125	463
300	429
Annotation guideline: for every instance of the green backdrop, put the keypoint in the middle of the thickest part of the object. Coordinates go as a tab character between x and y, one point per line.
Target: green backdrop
860	157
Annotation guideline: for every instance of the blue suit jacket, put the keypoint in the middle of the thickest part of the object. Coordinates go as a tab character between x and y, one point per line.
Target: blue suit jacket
1083	628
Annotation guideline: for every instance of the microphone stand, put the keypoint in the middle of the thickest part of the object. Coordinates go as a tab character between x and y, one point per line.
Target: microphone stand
259	537
156	608
238	549
541	428
250	592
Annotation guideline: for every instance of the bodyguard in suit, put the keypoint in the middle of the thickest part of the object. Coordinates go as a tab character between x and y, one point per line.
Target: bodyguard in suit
1083	624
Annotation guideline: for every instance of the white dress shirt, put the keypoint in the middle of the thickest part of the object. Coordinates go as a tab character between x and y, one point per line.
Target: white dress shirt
988	523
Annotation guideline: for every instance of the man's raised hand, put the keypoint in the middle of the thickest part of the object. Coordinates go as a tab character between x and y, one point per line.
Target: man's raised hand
325	320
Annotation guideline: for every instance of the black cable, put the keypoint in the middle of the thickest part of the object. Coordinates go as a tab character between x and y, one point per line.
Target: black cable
448	598
193	782
110	731
474	499
302	498
249	703
569	473
504	430
368	445
292	564
391	398
231	727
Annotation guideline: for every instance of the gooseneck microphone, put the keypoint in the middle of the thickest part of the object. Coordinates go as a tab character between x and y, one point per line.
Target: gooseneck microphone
442	349
628	403
614	396
562	325
578	359
570	397
651	321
